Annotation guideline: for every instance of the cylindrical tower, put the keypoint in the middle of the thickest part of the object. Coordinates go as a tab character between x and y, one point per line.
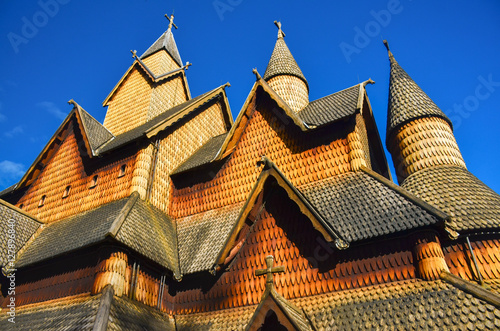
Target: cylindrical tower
419	134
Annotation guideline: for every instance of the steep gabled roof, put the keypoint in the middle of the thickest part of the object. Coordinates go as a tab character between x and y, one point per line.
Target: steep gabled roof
407	101
409	304
130	221
151	76
272	300
167	42
335	107
470	203
95	134
170	117
21	224
84	312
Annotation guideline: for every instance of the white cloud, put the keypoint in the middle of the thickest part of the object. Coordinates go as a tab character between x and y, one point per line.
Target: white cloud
14	131
51	108
10	172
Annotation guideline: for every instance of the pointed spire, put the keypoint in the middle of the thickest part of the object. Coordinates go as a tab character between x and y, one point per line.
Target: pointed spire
282	61
407	101
167	42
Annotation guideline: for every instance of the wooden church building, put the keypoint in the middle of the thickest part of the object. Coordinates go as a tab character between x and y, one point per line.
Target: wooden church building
173	216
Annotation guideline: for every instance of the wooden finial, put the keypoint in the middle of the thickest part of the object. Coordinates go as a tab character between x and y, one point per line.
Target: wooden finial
281	34
269	271
388	50
134	53
256	73
171	20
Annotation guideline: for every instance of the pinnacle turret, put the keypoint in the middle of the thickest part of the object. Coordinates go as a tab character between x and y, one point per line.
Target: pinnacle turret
284	75
407	101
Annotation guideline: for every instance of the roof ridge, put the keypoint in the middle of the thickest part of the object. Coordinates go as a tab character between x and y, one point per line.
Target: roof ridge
125	211
168	44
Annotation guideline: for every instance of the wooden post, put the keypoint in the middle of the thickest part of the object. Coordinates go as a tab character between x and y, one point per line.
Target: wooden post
429	255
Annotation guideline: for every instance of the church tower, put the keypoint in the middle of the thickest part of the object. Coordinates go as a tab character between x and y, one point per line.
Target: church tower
419	134
155	82
284	75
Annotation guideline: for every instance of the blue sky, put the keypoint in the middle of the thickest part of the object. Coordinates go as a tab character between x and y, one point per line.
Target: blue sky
56	50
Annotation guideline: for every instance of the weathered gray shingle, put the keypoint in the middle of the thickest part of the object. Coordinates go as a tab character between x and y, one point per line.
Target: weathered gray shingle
360	207
202	236
167	42
407	100
331	108
471	204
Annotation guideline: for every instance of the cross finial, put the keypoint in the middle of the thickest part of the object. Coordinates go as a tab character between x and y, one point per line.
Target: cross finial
281	34
269	271
134	53
171	21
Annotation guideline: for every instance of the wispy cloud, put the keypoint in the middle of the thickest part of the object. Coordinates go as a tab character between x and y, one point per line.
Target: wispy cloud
10	172
51	108
14	132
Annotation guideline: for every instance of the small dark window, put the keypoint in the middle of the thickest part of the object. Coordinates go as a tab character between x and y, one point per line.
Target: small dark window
93	182
66	191
21	206
42	201
122	170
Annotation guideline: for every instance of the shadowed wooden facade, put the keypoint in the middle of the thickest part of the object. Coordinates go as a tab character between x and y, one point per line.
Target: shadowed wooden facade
166	216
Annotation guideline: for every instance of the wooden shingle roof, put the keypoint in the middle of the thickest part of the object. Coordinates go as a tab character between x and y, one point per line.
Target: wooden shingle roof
282	62
471	204
363	205
407	101
167	42
130	221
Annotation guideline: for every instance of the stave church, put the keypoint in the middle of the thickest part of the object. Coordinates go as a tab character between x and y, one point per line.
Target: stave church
172	215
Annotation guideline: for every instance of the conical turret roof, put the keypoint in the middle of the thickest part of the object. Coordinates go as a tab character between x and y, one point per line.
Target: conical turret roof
167	42
282	61
407	101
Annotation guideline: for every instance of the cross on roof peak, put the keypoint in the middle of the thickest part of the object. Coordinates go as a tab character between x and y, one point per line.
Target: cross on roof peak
281	34
171	21
269	271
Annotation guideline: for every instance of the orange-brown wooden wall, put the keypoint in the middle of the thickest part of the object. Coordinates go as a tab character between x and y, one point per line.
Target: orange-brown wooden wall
302	157
67	168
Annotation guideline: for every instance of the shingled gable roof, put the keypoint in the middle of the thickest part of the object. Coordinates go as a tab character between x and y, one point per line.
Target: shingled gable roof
407	101
24	225
318	113
363	205
170	117
86	312
155	79
409	304
470	203
94	135
166	42
130	221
